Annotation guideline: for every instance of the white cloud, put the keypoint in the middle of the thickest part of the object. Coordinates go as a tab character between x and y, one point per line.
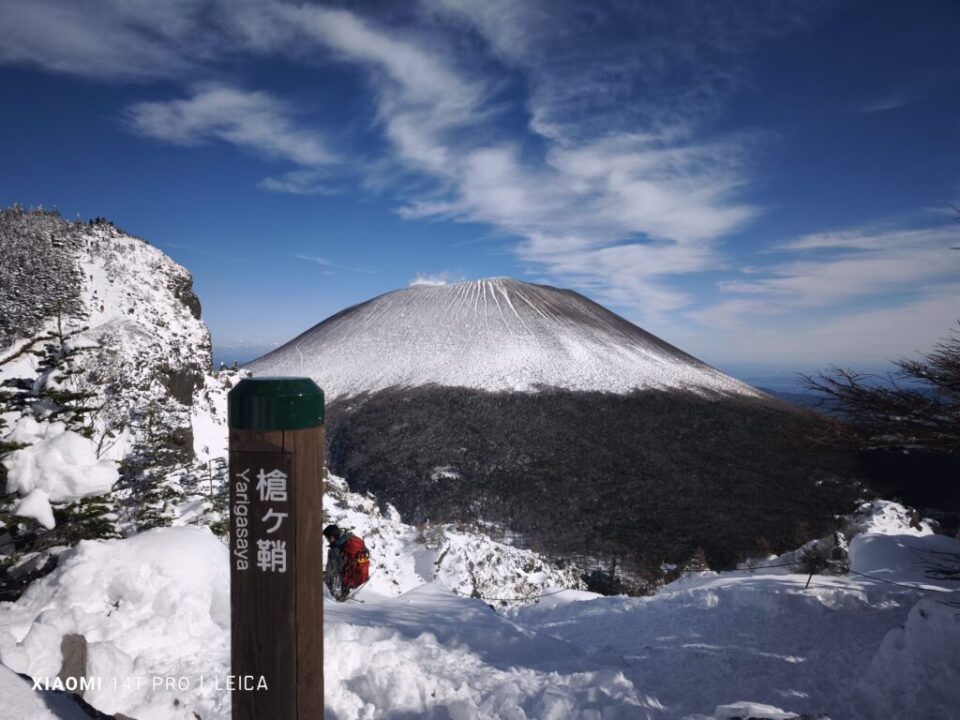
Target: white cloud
442	278
599	176
841	267
302	182
617	207
836	335
109	39
856	295
249	119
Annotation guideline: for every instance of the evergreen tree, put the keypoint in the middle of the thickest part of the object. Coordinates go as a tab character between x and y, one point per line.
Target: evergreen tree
54	394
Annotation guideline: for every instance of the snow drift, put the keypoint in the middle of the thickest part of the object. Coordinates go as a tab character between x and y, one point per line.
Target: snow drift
706	646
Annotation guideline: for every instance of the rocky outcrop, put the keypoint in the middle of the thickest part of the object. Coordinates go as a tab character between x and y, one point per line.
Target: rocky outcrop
147	351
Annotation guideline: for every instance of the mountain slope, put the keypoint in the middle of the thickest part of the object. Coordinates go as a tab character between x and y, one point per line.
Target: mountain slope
493	334
535	408
132	306
110	416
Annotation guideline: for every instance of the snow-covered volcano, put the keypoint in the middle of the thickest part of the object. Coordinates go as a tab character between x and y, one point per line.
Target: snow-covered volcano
493	334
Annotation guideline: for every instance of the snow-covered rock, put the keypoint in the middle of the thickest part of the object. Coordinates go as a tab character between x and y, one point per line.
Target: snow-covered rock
60	462
134	309
888	518
103	319
464	562
36	505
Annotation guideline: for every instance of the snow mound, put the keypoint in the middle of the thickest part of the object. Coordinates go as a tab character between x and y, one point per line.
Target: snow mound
493	334
150	606
36	505
58	461
756	711
886	518
915	671
21	702
840	648
902	557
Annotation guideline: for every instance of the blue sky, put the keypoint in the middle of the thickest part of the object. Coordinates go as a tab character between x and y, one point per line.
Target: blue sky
766	185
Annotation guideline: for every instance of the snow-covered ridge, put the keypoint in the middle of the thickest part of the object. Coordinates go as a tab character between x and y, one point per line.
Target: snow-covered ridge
94	314
150	349
493	334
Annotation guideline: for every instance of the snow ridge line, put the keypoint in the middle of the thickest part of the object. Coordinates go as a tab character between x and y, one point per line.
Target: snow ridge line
499	599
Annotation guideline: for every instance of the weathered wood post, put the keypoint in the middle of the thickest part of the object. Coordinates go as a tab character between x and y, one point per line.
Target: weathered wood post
276	547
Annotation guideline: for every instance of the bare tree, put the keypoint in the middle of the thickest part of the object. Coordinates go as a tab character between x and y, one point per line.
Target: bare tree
916	407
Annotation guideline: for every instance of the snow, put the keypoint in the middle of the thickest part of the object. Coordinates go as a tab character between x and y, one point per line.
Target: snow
208	415
462	561
737	711
18	700
887	518
60	462
900	558
493	334
838	648
432	654
143	334
918	664
153	605
36	505
710	645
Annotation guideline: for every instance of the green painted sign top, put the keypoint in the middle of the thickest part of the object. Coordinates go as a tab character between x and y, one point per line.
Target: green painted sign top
275	403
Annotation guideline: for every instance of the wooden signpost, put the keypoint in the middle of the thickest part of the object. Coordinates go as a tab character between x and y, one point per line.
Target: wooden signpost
276	549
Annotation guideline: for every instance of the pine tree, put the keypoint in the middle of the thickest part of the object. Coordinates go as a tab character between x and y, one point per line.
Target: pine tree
54	394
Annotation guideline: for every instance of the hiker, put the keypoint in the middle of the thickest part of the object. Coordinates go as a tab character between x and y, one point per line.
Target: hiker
348	562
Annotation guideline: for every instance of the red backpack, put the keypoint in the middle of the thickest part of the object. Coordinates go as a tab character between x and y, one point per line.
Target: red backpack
356	563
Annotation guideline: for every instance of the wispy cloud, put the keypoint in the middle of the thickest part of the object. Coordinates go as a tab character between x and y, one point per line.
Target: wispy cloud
253	120
851	264
618	196
857	292
588	154
440	278
847	335
329	267
111	40
617	209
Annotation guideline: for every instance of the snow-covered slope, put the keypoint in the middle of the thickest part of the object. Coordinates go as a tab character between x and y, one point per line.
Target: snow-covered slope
149	351
465	561
736	644
494	334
